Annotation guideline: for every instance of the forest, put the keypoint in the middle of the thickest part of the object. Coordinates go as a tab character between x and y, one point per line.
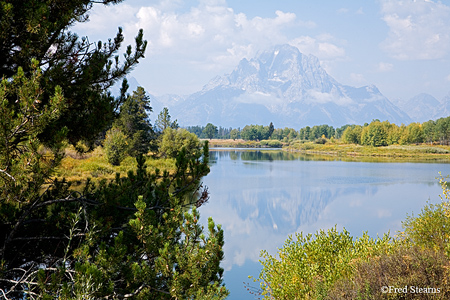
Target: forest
375	133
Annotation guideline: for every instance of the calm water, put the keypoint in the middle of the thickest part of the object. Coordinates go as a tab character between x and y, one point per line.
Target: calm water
261	197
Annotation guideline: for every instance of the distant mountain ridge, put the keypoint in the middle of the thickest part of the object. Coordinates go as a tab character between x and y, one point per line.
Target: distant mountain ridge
290	89
424	107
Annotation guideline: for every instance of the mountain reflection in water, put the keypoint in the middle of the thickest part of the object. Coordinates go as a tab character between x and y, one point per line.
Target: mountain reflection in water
262	196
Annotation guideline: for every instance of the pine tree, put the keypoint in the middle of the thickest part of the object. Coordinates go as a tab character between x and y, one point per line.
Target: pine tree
135	237
165	121
84	70
271	129
134	122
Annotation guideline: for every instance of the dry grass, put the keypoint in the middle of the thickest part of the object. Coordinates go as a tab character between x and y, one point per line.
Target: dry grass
392	152
77	168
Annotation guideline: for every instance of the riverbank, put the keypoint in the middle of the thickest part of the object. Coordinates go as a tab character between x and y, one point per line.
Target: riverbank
396	152
240	143
347	151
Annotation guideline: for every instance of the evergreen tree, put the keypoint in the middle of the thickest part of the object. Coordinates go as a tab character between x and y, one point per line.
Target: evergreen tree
84	70
115	146
131	238
164	121
134	122
271	129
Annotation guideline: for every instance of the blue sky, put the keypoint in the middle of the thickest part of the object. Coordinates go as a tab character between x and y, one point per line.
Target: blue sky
402	47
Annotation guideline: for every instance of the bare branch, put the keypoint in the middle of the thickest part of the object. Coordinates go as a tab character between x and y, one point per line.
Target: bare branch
4	295
7	174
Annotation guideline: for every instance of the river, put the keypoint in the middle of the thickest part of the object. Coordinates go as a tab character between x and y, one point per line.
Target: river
260	197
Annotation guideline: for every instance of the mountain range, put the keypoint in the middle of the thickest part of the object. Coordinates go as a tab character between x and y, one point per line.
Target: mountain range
290	89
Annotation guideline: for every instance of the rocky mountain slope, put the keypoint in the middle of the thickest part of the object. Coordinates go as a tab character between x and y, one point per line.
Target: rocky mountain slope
285	87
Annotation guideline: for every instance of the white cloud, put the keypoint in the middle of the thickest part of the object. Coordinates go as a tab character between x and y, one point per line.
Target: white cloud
418	29
320	46
204	40
342	10
448	78
211	33
99	24
357	78
334	97
385	67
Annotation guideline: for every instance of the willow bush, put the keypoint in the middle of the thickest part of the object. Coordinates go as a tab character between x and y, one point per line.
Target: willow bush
334	265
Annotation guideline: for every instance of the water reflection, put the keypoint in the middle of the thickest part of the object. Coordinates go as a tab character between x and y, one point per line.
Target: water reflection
263	155
261	197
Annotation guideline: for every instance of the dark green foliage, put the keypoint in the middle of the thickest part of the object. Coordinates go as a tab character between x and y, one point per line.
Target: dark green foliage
256	132
271	129
251	133
104	242
210	131
133	121
197	130
23	168
304	133
38	30
115	239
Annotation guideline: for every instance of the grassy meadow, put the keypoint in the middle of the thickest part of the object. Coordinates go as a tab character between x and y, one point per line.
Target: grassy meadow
76	167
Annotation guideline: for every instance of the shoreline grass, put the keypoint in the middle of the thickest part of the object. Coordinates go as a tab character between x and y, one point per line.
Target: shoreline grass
77	168
422	152
397	152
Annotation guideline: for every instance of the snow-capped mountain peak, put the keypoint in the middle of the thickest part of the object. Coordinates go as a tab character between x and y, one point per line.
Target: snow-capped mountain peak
284	86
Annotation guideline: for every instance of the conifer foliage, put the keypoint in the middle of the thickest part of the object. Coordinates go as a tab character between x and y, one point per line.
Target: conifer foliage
133	238
31	29
134	122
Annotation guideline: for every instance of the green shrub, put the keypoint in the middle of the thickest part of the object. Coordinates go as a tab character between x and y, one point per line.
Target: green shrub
431	228
333	265
116	146
309	265
307	146
271	143
275	144
173	140
320	141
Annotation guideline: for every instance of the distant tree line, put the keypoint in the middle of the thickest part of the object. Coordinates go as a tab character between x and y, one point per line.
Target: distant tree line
375	133
211	131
